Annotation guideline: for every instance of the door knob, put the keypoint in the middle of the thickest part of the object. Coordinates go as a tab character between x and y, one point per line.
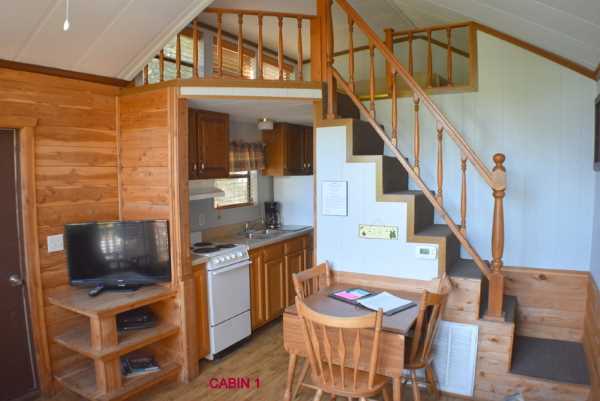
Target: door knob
15	280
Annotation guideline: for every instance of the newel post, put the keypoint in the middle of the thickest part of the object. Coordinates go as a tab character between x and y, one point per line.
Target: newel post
496	279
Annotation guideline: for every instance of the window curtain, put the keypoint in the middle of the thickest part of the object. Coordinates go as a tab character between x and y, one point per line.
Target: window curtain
246	156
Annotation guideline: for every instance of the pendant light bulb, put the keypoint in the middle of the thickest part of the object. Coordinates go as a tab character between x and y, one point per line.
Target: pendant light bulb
67	24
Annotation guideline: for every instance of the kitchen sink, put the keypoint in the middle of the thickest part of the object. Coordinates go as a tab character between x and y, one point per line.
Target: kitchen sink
262	234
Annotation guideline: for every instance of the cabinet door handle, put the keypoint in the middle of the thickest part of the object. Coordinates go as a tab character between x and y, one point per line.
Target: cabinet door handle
195	166
202	166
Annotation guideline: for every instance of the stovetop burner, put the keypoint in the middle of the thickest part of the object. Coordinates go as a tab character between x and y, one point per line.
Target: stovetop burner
209	247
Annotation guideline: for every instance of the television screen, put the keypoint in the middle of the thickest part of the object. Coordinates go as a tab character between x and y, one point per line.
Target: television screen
118	253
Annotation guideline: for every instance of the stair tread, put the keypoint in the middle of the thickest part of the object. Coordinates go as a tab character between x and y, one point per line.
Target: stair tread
556	360
465	268
435	230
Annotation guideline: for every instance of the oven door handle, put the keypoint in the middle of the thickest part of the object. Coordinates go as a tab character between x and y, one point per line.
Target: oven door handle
236	266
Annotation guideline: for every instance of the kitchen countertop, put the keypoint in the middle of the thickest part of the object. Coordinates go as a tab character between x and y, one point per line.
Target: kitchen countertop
256	242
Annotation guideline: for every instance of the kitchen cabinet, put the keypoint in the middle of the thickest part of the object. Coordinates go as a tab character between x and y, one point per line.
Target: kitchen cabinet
271	286
288	150
208	144
201	293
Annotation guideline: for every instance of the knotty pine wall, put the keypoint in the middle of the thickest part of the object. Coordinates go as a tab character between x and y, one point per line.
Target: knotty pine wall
75	169
552	304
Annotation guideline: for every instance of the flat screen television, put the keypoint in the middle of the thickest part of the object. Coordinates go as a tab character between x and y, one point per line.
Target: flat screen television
118	253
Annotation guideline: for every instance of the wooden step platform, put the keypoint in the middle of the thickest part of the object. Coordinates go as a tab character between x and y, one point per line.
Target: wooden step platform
560	361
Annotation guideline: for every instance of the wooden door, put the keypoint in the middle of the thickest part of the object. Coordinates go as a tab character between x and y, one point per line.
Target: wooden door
294	263
257	290
294	137
193	156
202	333
275	288
308	150
18	373
213	144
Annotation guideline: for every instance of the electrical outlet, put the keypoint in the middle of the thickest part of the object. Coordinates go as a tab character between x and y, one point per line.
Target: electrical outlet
201	219
55	243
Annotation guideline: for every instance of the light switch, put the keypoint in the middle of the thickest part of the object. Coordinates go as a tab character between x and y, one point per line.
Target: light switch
55	243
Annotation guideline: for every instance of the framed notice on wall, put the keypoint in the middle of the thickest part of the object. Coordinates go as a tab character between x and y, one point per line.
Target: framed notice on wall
335	198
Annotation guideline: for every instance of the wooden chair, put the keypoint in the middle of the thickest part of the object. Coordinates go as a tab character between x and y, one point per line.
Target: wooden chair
419	355
306	283
312	280
338	348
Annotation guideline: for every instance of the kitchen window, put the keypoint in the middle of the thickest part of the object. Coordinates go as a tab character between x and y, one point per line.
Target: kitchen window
240	190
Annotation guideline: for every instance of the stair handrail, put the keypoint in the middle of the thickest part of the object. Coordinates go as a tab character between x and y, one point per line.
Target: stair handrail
494	178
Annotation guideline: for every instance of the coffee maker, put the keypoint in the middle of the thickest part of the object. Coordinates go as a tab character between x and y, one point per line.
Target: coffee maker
272	214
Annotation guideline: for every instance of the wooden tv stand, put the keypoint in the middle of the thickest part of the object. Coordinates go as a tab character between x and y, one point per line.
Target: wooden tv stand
103	345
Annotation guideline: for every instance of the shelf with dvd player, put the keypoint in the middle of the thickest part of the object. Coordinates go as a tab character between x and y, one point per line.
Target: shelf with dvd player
113	325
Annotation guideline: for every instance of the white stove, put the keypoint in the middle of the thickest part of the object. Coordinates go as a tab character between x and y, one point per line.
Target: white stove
228	277
220	255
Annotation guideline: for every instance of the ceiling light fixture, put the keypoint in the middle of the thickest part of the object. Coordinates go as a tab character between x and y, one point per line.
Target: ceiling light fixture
67	24
264	124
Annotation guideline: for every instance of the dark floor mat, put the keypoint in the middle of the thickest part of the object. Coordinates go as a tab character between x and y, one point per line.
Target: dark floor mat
561	361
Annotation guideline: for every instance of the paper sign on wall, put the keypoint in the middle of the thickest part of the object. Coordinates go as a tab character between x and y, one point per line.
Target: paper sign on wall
335	198
377	232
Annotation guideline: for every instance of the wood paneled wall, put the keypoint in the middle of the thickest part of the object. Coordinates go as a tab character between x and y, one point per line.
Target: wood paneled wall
591	338
153	183
551	302
75	170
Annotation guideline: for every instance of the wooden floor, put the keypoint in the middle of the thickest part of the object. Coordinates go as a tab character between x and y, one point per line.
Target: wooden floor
261	357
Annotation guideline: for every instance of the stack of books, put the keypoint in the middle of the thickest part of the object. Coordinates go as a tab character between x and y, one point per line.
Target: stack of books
138	365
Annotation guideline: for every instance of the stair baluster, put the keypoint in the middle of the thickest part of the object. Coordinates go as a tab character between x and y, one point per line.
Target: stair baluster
351	53
178	56
240	44
195	50
449	56
161	65
300	63
259	56
417	136
429	60
410	54
220	44
463	196
440	165
394	110
372	79
331	86
280	47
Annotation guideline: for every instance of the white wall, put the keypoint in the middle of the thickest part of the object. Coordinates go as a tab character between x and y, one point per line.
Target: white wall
540	115
337	237
296	197
595	254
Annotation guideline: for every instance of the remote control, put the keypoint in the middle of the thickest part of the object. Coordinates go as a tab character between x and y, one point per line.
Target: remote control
96	290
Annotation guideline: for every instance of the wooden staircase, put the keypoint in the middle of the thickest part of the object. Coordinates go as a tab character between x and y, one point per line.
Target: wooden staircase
477	284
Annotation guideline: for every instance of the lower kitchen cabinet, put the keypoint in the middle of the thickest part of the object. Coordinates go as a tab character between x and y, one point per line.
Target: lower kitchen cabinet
271	285
201	291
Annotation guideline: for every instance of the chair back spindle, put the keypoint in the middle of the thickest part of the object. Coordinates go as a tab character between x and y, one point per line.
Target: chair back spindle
311	281
326	338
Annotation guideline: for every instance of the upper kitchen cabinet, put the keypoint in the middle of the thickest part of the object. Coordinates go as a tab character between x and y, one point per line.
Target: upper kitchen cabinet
208	144
289	150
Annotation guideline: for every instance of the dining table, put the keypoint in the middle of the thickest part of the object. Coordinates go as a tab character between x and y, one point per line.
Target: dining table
396	328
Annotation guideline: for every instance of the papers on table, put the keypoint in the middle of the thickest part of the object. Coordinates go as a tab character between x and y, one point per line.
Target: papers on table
386	301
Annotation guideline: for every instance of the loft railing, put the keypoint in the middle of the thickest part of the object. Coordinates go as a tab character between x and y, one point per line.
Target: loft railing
243	55
495	178
452	47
